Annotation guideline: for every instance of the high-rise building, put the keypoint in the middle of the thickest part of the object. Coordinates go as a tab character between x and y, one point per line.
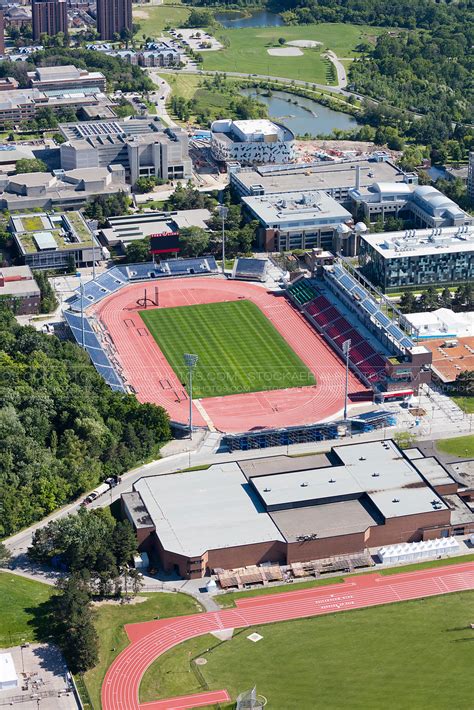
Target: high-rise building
113	16
49	17
2	33
470	176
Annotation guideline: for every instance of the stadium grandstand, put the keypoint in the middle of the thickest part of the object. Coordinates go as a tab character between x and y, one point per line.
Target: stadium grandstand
110	281
250	269
341	308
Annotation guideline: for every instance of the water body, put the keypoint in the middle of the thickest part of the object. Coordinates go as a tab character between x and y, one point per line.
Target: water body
259	18
306	117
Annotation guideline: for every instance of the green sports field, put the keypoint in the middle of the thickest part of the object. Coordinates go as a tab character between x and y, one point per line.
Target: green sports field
415	655
239	350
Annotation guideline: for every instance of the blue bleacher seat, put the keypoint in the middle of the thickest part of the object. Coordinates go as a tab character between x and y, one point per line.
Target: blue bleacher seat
406	342
347	282
396	332
98	356
382	318
369	306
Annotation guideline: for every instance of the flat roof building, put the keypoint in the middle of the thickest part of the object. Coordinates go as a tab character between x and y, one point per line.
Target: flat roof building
278	510
143	147
250	142
19	290
296	220
54	241
335	178
66	189
125	229
422	257
65	79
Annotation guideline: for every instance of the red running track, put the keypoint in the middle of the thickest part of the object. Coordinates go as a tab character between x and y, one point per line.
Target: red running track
151	639
153	379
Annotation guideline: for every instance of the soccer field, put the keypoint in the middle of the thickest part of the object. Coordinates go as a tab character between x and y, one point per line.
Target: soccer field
239	349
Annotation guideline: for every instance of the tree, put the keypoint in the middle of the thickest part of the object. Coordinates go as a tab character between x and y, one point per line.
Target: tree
281	40
193	241
407	303
138	252
5	555
49	302
31	165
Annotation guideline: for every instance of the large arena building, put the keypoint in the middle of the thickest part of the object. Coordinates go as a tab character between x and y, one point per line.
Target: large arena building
285	510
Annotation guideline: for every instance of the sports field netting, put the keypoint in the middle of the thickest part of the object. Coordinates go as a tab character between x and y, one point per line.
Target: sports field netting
239	349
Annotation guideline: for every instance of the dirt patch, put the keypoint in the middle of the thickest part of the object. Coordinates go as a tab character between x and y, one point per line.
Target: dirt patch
285	52
118	602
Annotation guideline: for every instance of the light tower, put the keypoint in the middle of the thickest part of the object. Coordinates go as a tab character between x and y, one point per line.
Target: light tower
190	361
346	348
223	211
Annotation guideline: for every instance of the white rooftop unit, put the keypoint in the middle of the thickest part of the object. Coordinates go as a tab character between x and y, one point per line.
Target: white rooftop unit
8	676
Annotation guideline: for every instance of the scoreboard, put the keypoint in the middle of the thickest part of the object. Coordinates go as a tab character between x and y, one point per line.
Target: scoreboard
164	243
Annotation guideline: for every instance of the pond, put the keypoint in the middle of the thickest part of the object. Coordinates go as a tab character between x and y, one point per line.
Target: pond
259	18
306	117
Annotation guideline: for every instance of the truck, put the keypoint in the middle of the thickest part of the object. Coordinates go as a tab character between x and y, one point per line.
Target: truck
100	490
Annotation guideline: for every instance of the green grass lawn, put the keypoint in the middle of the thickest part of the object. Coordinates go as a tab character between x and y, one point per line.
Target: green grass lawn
407	656
462	446
239	350
153	20
21	599
110	620
466	404
246	50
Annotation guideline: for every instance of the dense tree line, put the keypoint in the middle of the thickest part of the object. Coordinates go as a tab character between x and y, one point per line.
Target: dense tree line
103	206
461	299
62	429
49	302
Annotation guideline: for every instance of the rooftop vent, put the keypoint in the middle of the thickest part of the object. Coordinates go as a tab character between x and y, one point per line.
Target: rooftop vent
375	475
304	484
362	458
395	500
267	490
332	480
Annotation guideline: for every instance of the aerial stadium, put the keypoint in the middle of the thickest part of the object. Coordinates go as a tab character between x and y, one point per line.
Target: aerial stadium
267	360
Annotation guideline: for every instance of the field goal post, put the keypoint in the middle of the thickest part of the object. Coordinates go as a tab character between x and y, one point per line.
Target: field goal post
249	700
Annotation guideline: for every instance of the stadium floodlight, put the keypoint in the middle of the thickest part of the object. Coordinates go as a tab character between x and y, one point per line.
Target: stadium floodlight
346	348
223	211
190	361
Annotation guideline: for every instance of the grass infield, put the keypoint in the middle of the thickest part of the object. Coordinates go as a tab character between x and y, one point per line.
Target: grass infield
413	655
239	350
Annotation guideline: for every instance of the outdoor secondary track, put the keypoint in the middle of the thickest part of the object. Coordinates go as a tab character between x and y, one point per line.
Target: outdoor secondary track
153	379
149	640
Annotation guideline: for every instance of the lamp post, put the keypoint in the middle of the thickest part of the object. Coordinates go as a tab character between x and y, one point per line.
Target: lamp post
223	211
346	347
190	362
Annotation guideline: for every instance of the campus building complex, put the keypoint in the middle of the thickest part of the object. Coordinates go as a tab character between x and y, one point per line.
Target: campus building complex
251	142
283	510
143	147
63	189
400	260
66	79
296	220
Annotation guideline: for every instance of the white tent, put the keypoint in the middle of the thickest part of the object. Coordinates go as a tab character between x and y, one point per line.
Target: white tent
411	551
8	676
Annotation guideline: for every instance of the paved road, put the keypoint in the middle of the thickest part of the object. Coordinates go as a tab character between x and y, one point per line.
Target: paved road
340	69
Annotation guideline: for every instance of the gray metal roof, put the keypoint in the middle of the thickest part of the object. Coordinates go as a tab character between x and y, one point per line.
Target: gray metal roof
205	510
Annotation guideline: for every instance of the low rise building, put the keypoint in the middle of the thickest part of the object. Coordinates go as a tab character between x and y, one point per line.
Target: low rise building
395	261
64	189
128	228
336	178
66	79
296	220
54	241
251	142
424	205
19	290
281	510
143	147
155	54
